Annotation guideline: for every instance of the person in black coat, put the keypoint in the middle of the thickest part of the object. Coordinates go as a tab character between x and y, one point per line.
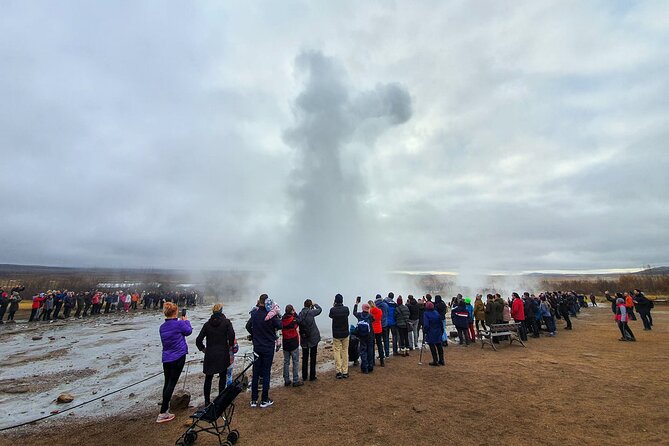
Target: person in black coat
263	335
220	338
339	314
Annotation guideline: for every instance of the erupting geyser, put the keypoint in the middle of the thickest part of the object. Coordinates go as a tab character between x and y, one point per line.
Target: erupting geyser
331	245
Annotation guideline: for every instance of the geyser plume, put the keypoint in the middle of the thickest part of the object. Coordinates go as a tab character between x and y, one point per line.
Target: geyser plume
331	245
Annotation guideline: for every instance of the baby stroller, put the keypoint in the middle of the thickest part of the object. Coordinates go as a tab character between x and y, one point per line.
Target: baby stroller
222	407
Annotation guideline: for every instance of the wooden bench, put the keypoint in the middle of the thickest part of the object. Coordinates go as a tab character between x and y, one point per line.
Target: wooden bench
498	331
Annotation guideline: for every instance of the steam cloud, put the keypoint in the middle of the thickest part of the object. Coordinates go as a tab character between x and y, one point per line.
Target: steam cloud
331	246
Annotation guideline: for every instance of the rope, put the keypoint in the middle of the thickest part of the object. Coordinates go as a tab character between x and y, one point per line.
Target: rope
58	412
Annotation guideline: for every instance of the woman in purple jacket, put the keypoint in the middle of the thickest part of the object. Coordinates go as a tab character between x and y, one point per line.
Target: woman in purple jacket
172	334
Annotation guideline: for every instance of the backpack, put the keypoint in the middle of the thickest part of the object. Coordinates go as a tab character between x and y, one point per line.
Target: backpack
304	332
363	328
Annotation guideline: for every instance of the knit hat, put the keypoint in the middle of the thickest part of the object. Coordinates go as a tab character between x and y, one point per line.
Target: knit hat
339	299
378	296
468	300
365	307
429	306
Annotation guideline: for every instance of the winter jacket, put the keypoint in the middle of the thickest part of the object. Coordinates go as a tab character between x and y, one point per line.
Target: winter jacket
402	316
339	315
414	310
220	338
479	310
392	306
613	302
433	327
306	318
440	307
460	316
621	313
263	333
545	310
377	316
536	308
470	311
291	339
363	316
14	302
506	314
490	314
629	302
498	309
643	304
518	310
381	305
172	336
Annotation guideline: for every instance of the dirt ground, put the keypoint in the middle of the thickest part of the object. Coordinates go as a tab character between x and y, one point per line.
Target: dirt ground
582	387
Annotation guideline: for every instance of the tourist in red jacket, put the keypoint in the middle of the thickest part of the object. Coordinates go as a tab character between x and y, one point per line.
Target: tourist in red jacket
518	315
377	328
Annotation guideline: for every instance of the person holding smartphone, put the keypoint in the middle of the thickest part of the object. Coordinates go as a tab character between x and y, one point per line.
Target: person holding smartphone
173	334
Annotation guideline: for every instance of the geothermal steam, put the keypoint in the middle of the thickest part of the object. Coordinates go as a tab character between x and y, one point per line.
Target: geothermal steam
331	245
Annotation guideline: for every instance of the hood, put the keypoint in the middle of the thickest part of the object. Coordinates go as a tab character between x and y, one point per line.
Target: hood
216	319
438	299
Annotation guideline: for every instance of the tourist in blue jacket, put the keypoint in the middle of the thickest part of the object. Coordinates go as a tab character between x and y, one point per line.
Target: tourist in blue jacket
460	318
392	324
433	330
263	334
383	306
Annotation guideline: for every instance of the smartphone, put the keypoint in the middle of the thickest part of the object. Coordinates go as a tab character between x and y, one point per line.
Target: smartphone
183	312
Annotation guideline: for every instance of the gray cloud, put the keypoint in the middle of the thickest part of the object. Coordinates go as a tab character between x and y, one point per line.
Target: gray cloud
154	133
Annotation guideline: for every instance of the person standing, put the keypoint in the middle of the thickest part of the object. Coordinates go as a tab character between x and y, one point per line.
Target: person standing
563	306
433	331
392	325
479	312
263	334
14	300
622	318
310	336
291	347
402	323
220	338
547	316
381	305
377	329
414	315
470	326
518	315
339	314
58	300
173	334
365	333
4	303
643	306
80	305
441	307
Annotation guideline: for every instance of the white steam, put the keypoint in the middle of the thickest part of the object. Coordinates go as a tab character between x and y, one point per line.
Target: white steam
332	245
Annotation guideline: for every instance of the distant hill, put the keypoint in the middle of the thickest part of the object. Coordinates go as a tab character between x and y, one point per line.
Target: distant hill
657	271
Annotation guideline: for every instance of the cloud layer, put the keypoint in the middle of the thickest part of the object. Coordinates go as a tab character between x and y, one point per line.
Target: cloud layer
162	134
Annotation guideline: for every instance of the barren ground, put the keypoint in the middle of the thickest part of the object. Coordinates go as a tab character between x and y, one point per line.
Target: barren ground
583	387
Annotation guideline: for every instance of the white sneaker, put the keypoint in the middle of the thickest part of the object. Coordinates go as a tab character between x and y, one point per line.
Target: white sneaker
254	404
165	417
267	403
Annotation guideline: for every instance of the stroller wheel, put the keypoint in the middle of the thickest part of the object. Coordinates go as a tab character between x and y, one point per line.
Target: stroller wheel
233	436
189	438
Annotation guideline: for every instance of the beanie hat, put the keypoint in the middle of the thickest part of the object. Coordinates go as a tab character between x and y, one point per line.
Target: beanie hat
429	306
339	299
365	307
378	296
468	300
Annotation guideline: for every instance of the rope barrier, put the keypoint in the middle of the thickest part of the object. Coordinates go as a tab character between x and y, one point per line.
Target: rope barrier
58	412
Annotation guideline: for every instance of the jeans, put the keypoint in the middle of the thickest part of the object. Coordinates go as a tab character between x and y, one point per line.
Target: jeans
207	386
437	351
56	309
413	334
462	335
293	356
386	342
550	323
171	371
403	337
366	353
309	362
645	318
340	350
482	324
396	338
378	337
262	367
565	315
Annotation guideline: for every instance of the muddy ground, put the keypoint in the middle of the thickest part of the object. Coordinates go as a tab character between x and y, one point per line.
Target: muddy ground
582	387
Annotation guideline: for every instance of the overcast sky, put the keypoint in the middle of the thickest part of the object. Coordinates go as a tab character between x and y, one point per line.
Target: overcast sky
516	136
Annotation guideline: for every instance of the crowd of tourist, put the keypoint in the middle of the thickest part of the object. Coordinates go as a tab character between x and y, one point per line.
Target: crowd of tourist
406	325
53	305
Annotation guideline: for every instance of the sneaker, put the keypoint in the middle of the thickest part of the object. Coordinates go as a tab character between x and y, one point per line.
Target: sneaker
298	383
434	364
267	403
165	417
344	375
339	376
254	404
